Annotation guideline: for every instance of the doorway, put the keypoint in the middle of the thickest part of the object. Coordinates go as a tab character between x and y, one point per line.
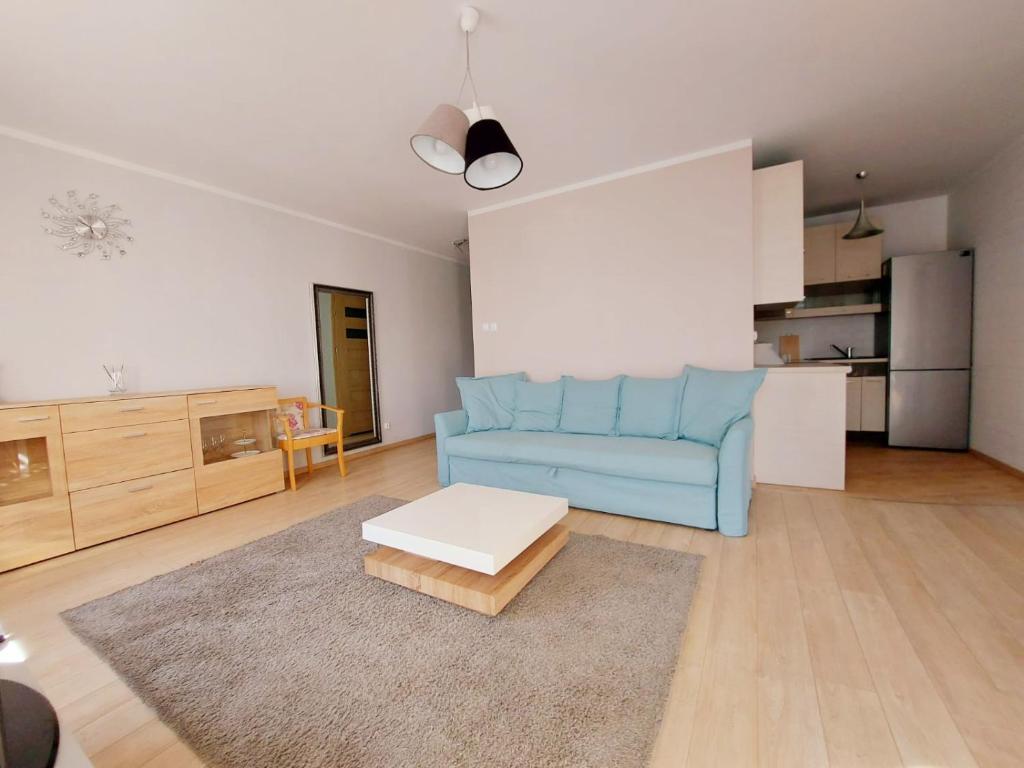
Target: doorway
348	363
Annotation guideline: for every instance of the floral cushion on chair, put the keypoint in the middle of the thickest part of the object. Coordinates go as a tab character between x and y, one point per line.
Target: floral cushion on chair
292	413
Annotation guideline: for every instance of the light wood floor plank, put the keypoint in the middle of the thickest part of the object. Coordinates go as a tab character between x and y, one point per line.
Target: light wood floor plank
725	723
857	733
789	726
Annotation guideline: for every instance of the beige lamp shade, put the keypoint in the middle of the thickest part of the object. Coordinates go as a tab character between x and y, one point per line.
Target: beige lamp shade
441	140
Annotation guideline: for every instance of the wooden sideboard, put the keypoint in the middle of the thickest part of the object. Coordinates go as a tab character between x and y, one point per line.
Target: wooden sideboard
82	471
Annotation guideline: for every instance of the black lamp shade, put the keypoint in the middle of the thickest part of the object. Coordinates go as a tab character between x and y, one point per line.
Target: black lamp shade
491	159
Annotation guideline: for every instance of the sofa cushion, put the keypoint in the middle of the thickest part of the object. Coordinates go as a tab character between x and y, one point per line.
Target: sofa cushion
590	407
489	400
715	400
645	458
650	407
538	406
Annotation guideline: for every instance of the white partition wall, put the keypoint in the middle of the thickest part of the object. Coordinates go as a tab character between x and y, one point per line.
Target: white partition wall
636	274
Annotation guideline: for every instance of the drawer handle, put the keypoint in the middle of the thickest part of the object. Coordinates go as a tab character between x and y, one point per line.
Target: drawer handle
205	402
130	435
33	418
131	408
140	489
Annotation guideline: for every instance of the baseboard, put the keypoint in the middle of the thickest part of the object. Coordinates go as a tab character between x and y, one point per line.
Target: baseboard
361	453
998	464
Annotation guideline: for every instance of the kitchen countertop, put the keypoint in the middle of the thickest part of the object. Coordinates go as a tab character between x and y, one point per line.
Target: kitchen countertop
807	368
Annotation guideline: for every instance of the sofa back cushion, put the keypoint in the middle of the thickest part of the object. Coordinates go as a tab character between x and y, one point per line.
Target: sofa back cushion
715	400
489	401
590	407
650	407
538	406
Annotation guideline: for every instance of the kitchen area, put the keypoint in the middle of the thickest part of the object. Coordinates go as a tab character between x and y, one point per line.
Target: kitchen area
862	343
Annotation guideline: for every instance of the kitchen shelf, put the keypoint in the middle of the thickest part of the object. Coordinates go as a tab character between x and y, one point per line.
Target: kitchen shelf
796	313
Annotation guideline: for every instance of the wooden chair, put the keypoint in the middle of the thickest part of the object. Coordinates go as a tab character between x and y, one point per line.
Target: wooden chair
297	435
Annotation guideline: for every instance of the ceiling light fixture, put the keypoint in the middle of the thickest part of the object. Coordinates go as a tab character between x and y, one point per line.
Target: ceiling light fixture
472	141
862	227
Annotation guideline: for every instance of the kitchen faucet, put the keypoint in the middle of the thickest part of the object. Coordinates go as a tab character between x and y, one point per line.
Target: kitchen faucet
847	353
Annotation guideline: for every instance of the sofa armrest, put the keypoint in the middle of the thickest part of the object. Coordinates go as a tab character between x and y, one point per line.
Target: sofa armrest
447	425
735	478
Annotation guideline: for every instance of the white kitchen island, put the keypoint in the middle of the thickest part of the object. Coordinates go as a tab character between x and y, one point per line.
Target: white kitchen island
800	426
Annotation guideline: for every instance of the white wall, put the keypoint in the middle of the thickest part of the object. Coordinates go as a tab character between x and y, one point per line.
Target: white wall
987	213
916	226
638	275
214	291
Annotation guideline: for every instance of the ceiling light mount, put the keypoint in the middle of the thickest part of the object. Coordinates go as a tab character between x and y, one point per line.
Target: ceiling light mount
863	227
468	141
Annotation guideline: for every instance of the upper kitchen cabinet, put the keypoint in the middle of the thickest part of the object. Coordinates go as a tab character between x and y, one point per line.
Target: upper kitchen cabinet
858	259
828	258
778	234
820	254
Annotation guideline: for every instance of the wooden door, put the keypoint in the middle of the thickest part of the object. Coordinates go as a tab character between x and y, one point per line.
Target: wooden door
820	254
858	259
350	333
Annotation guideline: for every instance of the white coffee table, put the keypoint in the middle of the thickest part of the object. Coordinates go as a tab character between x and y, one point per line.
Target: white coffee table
467	544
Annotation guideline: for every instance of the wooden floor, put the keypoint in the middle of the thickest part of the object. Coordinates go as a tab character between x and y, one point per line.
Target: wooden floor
845	630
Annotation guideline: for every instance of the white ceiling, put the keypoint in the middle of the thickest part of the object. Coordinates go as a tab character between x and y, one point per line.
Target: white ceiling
310	104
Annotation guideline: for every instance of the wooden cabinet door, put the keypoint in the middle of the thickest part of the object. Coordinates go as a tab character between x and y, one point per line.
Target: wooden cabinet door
853	398
35	515
857	259
872	404
820	254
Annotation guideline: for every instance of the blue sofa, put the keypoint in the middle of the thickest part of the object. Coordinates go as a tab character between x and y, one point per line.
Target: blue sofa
636	467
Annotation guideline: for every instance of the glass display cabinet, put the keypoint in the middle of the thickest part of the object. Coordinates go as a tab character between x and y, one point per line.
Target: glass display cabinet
234	447
35	513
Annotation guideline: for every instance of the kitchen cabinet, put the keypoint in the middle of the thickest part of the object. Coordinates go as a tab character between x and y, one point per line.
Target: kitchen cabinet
820	254
872	404
828	258
865	404
853	391
779	233
858	259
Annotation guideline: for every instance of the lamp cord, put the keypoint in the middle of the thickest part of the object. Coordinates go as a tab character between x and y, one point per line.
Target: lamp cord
467	76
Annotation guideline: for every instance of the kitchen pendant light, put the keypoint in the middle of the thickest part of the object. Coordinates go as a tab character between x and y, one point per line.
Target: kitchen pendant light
472	141
863	227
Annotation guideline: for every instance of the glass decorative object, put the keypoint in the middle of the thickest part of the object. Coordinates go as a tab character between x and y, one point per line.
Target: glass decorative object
115	374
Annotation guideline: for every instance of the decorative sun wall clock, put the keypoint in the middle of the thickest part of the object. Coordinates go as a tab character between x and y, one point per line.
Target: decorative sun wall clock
86	226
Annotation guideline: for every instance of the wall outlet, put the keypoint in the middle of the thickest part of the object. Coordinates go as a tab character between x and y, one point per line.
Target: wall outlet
387	425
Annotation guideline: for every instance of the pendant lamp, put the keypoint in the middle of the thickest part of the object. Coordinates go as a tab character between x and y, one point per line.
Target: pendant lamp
863	227
472	141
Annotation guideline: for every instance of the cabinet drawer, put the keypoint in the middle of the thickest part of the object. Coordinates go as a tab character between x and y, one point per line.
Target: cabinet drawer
239	401
112	511
22	423
103	414
232	482
35	530
104	456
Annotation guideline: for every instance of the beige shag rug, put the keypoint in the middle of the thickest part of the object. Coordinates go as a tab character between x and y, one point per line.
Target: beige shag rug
284	653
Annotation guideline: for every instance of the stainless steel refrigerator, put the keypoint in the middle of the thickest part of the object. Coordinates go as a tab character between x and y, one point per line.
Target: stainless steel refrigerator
930	302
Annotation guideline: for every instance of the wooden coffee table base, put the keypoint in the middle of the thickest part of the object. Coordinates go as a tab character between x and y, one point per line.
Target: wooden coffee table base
470	589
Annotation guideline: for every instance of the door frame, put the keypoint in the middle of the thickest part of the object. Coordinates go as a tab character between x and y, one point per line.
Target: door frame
330	450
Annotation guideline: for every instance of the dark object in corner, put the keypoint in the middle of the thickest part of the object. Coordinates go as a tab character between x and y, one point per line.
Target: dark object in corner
29	734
